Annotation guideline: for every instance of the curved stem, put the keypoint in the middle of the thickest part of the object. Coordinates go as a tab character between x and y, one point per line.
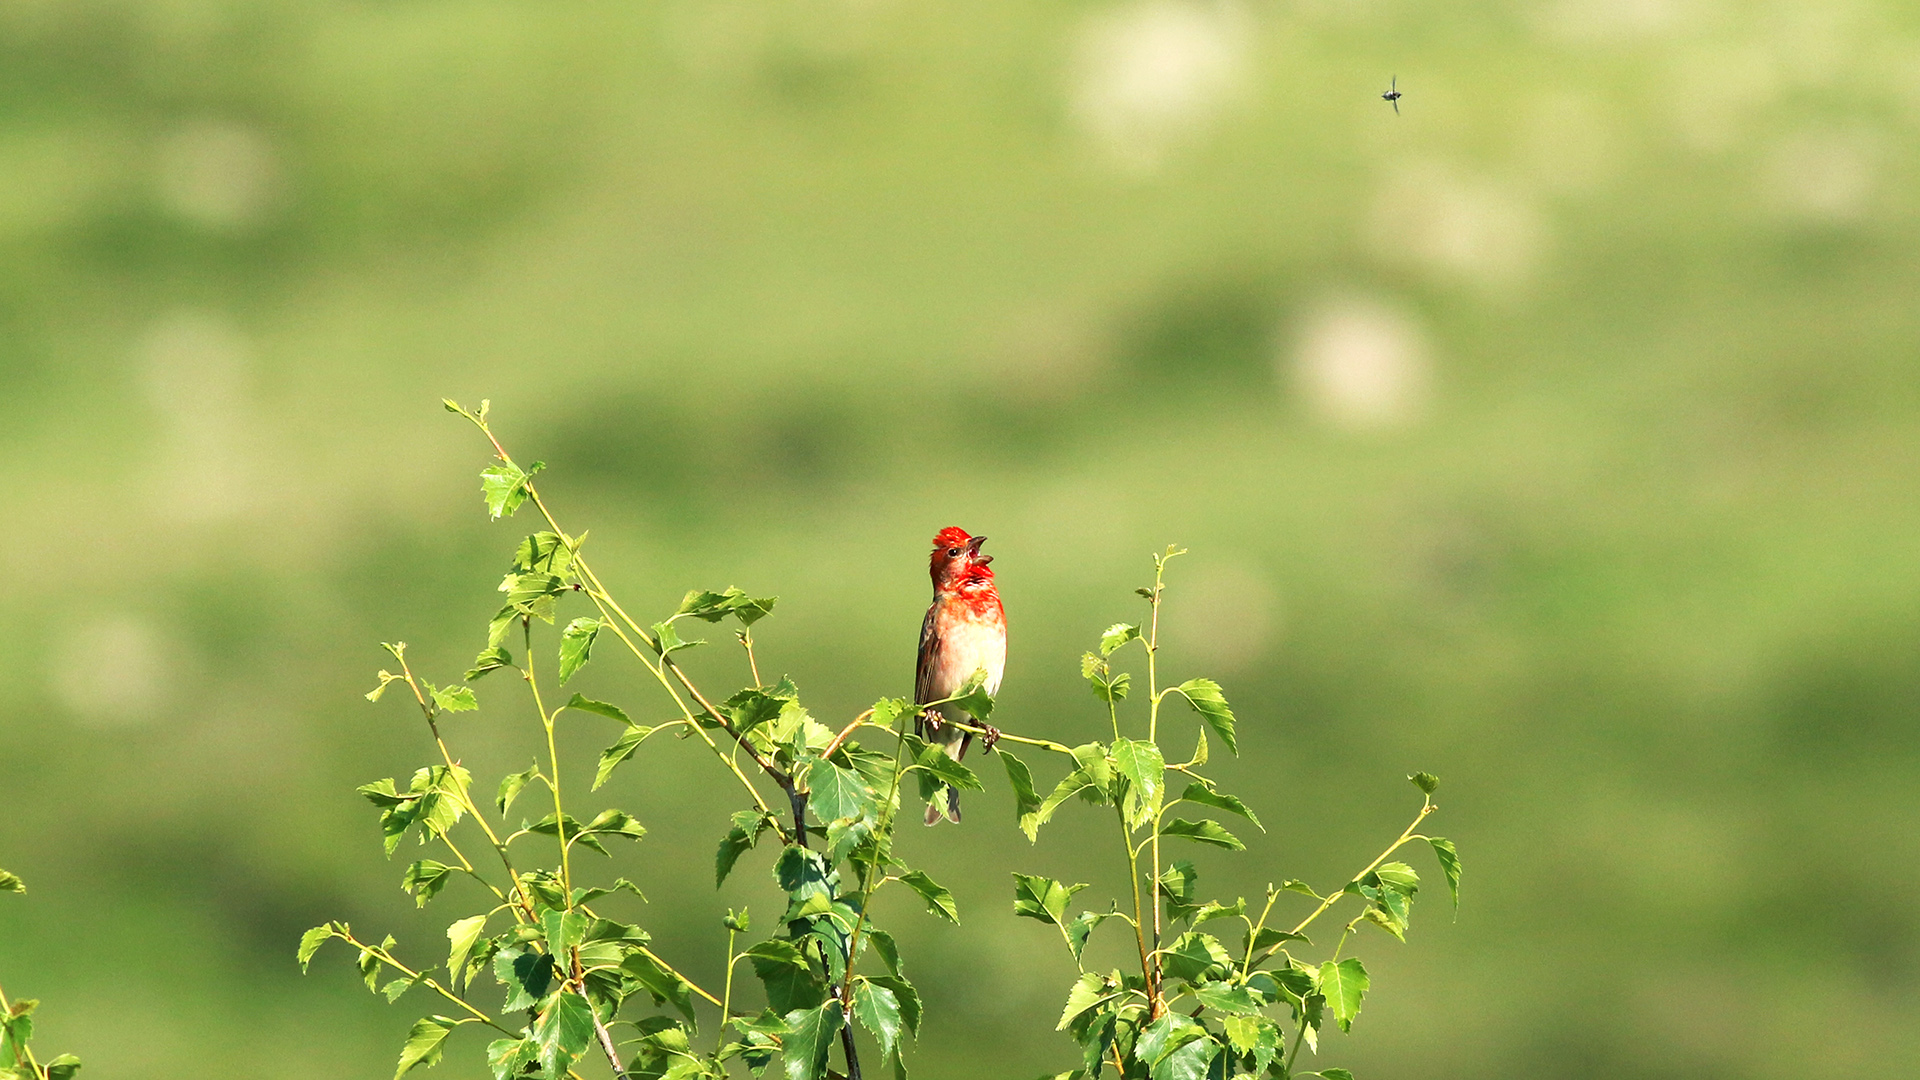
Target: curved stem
1426	808
553	762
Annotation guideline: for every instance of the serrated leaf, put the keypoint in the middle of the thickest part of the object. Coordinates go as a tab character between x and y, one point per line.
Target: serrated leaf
527	973
1204	831
973	697
1026	801
662	985
622	749
1225	998
616	823
563	1031
1042	898
1344	984
599	708
576	646
504	486
878	1010
939	900
790	981
1268	937
1089	992
1425	781
311	941
1196	957
1115	636
934	761
512	784
1083	926
1110	690
453	698
834	793
811	1034
1449	865
747	827
1205	697
490	659
1163	1036
1205	796
1146	770
461	937
423	1044
424	880
1256	1036
905	994
1190	1061
666	640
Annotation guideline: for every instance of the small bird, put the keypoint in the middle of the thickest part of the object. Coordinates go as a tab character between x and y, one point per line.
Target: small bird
965	632
1393	94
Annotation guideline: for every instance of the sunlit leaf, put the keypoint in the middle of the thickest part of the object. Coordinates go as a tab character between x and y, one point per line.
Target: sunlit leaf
1042	898
939	900
1203	831
598	708
424	1044
1145	769
1344	984
878	1010
1205	796
1205	696
1449	865
1115	636
562	1032
812	1032
622	749
576	645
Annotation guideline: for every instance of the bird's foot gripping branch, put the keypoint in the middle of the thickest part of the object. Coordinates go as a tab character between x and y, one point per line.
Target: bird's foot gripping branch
539	961
1196	1007
549	981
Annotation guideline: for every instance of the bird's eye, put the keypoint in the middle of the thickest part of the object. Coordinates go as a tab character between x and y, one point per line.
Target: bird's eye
953	553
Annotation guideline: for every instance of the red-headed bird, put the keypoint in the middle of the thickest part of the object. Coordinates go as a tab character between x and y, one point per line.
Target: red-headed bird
965	631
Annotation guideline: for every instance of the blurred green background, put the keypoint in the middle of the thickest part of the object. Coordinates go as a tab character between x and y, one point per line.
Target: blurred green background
1557	436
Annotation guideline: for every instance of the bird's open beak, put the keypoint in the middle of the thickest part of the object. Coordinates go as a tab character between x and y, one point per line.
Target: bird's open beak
973	546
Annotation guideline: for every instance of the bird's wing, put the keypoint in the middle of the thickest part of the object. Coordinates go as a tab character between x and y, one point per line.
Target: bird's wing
923	667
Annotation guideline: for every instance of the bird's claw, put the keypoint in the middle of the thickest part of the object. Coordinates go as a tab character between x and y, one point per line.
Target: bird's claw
989	737
933	723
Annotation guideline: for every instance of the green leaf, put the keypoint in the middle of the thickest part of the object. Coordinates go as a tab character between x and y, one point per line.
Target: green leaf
1213	909
453	698
1203	831
835	794
1146	770
1090	991
423	1044
311	941
461	937
1449	865
1042	898
1205	796
1254	1035
1166	1034
1296	885
1026	801
1227	999
888	949
1197	957
878	1010
424	880
567	828
906	995
666	640
546	553
622	749
939	900
576	646
10	882
504	486
1189	1062
1344	984
805	1047
1115	636
527	973
1425	781
512	784
63	1067
973	697
1082	927
1205	697
1268	937
747	827
599	708
934	761
662	985
563	1031
616	823
1336	1074
790	981
491	659
510	1058
1111	690
715	606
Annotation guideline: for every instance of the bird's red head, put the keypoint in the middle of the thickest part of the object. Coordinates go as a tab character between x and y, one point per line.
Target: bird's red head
957	563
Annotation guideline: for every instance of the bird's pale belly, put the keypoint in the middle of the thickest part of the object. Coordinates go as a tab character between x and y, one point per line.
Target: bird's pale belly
976	642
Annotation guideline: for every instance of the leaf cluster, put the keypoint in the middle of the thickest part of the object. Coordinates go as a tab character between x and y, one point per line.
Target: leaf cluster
17	1060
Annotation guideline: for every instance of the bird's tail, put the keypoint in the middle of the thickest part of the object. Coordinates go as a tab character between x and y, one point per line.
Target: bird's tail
952	811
